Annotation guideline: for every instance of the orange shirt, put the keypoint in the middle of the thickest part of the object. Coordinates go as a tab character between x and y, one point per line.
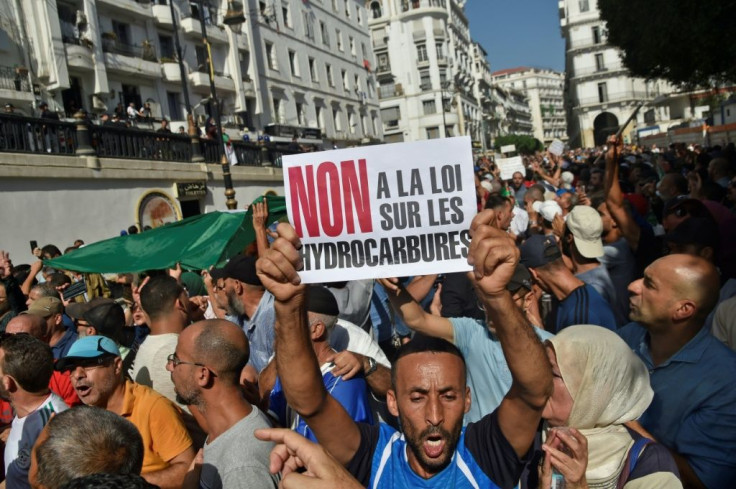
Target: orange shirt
159	422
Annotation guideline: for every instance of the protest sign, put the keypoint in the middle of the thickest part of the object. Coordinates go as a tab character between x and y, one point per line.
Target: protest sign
382	211
509	166
509	148
556	147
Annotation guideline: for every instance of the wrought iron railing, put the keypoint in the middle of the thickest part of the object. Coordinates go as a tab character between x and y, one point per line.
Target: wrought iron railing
122	142
14	79
19	134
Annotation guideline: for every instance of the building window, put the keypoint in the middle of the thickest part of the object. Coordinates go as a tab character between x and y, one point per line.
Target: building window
422	53
390	117
358	15
584	5
599	64
313	70
443	78
320	117
293	63
336	119
440	47
244	64
374	124
287	15
433	132
338	36
363	52
271	56
277	108
325	33
602	92
425	82
351	45
347	8
330	78
356	84
384	65
345	81
167	47
429	106
376	9
308	26
300	114
351	122
596	34
172	99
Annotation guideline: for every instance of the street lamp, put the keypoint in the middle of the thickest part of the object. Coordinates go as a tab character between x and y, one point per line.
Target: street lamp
191	126
234	16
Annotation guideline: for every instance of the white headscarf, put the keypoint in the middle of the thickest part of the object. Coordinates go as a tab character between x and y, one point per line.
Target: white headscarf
609	386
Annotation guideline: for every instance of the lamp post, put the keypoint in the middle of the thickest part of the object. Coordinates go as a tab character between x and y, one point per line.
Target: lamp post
192	129
234	16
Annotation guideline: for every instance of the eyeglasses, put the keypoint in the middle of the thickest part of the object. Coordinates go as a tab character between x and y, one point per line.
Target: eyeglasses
174	360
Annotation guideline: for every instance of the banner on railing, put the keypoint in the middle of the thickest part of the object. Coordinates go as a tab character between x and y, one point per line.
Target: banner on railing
382	211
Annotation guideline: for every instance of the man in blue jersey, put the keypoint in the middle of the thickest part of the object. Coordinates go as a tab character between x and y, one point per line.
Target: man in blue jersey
352	394
429	392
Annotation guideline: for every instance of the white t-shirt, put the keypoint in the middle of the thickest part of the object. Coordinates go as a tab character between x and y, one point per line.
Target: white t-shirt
348	336
149	367
38	419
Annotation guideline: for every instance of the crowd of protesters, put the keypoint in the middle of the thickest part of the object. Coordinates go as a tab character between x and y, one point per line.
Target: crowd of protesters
591	346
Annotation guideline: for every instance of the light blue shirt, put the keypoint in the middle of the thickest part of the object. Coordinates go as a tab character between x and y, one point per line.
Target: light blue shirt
489	377
694	407
260	331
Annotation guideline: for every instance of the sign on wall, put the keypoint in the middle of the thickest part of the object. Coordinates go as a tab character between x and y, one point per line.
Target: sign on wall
382	211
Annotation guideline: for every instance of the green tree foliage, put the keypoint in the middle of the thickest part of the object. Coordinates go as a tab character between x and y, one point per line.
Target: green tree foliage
525	145
688	42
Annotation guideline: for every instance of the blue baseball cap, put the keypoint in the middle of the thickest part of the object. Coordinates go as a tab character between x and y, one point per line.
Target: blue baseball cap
89	347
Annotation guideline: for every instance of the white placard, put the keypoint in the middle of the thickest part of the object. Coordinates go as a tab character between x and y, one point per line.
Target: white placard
556	147
509	166
382	211
509	148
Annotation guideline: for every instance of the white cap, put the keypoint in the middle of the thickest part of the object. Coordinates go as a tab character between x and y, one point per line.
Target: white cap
547	209
586	227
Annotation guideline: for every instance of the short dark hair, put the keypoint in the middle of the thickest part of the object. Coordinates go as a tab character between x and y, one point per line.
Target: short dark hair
109	481
29	361
421	343
46	290
51	250
159	294
57	279
100	440
494	201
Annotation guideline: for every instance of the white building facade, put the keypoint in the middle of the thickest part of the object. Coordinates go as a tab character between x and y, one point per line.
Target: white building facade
292	62
511	112
424	67
544	91
600	93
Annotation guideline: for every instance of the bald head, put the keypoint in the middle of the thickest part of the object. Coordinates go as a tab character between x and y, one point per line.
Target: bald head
696	279
219	344
28	323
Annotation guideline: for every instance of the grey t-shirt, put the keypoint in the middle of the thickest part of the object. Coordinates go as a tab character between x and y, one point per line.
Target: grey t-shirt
238	460
621	264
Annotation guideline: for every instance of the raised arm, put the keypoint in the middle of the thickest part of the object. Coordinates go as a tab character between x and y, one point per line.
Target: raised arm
260	221
296	362
413	315
494	258
615	196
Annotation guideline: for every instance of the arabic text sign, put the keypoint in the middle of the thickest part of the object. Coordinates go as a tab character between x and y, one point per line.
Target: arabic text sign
382	211
509	166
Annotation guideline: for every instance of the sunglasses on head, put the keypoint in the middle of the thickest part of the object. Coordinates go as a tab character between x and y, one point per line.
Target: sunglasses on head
87	363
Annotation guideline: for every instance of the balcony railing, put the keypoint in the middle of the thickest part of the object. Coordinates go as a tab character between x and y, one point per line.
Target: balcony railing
19	134
12	79
145	51
595	70
407	5
614	97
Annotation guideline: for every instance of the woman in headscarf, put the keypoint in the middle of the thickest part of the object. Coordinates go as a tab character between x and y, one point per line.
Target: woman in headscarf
599	385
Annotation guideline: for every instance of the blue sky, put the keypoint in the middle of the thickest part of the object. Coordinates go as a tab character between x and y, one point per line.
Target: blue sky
518	32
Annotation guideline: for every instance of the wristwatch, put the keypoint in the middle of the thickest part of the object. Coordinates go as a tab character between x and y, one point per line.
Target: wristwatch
372	366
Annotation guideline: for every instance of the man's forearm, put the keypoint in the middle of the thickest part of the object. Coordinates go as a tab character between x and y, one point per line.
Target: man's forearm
172	477
379	381
296	362
522	348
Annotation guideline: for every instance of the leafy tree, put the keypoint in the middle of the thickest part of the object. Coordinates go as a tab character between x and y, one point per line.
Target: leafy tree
687	42
525	145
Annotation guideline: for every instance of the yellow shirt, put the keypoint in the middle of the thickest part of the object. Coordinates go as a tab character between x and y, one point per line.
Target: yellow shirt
159	422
